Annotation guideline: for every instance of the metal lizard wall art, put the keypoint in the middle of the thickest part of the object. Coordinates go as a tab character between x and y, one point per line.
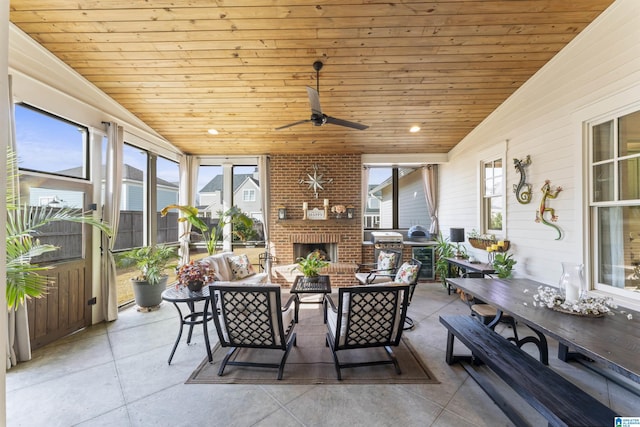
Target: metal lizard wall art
548	193
522	189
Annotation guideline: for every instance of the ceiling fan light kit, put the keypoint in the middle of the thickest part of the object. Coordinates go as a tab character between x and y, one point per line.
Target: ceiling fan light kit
318	118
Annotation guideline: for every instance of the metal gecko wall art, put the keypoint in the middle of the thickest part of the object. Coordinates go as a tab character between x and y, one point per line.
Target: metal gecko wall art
548	193
522	189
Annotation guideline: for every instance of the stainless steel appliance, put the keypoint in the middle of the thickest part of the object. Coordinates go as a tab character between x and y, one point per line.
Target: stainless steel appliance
386	240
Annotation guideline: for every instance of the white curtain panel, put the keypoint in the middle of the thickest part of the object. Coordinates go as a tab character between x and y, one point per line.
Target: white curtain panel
111	215
265	190
364	191
18	343
430	182
189	166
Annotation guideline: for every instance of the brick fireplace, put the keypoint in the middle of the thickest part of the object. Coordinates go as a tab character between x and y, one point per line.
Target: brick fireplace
342	236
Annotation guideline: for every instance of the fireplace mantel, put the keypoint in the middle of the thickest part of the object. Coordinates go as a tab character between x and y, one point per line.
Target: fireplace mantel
319	222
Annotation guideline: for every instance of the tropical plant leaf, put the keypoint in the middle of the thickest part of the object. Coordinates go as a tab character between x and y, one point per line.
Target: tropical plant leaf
22	245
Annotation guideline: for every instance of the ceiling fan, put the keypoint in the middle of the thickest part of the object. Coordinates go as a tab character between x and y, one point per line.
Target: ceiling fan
318	118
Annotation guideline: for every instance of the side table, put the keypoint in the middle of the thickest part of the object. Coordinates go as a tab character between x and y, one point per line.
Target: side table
193	318
466	267
301	286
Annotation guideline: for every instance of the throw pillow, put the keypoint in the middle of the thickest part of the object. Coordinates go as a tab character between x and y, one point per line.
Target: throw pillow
386	261
407	274
241	267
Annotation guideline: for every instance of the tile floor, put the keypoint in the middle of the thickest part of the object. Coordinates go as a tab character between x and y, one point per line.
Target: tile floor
117	375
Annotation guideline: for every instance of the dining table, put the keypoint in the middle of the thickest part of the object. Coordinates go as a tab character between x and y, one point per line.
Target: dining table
612	339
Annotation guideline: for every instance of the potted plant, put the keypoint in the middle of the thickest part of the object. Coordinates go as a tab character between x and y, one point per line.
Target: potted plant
310	266
503	264
443	249
232	216
194	275
151	262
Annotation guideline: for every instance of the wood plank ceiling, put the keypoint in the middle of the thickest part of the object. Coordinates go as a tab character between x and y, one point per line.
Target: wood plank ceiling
241	66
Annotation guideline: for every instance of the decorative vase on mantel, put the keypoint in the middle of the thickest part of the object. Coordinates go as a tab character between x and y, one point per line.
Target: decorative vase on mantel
572	284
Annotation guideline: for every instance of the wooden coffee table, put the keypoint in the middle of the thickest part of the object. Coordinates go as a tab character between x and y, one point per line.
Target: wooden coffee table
301	286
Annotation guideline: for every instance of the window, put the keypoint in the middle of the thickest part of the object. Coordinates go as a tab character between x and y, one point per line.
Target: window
131	226
242	182
49	144
167	189
615	203
396	199
492	200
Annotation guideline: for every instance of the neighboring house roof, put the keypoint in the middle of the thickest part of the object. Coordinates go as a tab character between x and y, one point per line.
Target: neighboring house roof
129	173
216	183
387	182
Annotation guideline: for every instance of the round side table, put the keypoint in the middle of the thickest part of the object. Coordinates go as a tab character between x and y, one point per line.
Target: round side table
193	318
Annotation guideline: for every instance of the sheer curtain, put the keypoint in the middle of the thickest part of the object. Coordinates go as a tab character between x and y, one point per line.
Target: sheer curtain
111	215
265	180
189	166
18	343
430	182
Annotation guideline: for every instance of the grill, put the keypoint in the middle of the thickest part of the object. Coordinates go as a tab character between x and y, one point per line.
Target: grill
386	240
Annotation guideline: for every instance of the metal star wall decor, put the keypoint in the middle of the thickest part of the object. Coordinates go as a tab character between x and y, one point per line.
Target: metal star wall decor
314	178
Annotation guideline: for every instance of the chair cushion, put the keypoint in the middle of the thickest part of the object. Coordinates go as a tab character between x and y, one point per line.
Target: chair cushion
241	266
386	261
367	278
374	308
407	274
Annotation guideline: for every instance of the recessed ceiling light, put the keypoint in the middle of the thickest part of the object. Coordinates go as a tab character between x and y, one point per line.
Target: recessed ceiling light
414	129
213	131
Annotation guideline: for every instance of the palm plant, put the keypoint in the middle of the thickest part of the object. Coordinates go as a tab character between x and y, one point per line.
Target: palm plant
151	261
232	216
24	278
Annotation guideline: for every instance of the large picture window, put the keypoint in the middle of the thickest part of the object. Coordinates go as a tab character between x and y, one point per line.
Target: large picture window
50	144
396	199
167	190
615	203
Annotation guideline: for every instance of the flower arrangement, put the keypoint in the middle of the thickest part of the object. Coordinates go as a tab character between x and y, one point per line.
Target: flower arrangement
194	272
339	210
589	306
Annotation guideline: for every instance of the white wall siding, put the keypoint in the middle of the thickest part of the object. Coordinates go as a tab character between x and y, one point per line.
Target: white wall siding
596	73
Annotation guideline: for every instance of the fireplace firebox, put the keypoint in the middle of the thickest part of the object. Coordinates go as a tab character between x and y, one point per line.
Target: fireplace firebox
327	251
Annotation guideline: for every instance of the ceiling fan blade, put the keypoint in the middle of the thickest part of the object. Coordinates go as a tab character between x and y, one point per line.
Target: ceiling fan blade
293	124
314	100
346	123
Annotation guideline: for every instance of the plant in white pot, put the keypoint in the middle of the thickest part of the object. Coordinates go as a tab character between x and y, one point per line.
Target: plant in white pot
152	263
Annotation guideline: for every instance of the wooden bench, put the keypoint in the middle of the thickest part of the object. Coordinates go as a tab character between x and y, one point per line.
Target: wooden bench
561	402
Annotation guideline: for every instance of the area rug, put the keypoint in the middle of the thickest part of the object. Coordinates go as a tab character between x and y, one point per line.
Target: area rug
311	362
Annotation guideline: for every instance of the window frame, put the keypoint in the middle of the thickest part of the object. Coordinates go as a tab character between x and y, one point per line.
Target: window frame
594	207
86	145
251	192
395	178
486	199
